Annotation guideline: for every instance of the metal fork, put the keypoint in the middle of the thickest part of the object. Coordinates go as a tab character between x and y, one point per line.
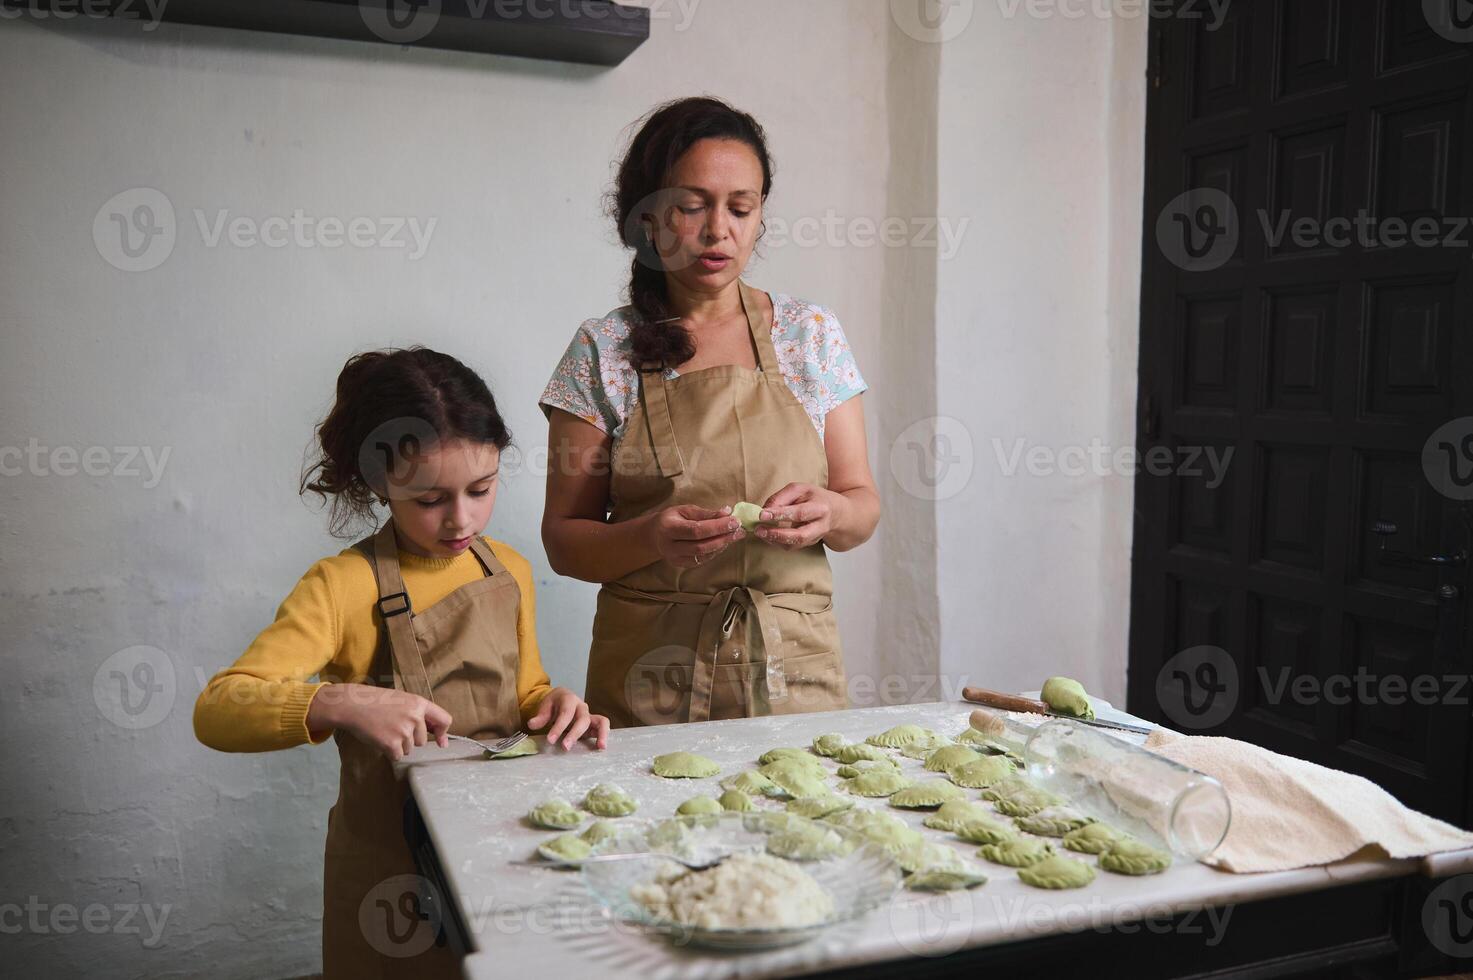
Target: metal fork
495	748
601	858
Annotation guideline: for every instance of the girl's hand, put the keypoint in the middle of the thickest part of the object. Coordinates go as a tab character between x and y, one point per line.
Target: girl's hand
687	535
812	512
388	719
570	719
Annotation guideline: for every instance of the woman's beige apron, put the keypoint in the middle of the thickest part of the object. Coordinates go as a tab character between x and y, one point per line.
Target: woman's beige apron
462	653
751	631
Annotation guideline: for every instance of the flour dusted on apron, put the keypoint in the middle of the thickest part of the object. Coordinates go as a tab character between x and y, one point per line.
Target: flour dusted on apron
462	653
752	631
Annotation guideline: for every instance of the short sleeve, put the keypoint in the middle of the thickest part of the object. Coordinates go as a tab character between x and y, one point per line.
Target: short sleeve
577	385
836	359
816	360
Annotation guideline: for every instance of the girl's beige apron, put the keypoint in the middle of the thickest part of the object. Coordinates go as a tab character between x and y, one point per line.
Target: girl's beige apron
751	631
462	653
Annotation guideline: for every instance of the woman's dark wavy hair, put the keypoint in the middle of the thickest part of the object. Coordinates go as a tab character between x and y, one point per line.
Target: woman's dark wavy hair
395	395
668	131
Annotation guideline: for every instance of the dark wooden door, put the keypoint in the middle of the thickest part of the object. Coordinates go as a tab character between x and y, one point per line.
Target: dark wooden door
1333	361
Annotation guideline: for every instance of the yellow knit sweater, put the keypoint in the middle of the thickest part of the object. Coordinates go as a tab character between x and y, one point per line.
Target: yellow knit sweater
326	627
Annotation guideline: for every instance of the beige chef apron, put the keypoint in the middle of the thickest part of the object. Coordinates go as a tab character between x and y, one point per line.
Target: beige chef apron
462	653
750	631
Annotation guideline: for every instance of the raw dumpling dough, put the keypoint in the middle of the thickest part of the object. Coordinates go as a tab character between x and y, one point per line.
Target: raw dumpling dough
684	765
699	806
1131	857
749	514
566	848
877	782
1054	821
1018	852
1026	802
829	744
736	800
982	772
807	763
599	831
812	842
921	748
925	854
953	813
1066	696
925	794
1057	871
527	746
860	752
882	829
748	781
814	807
894	738
853	769
945	879
555	815
608	800
1006	787
795	781
947	757
974	738
1092	838
986	829
773	755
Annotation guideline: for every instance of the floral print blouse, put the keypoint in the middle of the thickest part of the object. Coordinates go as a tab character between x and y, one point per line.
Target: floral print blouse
596	381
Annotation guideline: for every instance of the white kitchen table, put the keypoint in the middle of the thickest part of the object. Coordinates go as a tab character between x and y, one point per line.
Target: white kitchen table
518	921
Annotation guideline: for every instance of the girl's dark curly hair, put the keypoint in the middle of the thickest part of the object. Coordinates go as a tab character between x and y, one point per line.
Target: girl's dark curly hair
393	402
668	131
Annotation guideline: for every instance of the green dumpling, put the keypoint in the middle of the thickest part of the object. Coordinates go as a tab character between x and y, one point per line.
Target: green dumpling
812	843
527	746
566	848
1067	696
699	806
672	836
925	794
1006	787
925	854
850	770
1026	802
973	738
1057	871
861	752
748	781
736	801
955	812
894	738
986	829
554	815
981	772
921	748
1054	821
684	765
945	879
878	782
1132	857
1017	852
796	782
608	800
807	764
749	514
950	756
599	831
774	755
815	807
1092	838
829	744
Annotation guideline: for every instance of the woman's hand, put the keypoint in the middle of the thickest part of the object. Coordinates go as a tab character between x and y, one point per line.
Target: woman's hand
687	535
812	512
390	720
570	719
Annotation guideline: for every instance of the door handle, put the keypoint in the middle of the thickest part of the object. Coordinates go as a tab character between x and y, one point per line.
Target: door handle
1386	529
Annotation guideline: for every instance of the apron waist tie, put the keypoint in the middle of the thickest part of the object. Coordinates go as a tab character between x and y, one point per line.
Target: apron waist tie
717	622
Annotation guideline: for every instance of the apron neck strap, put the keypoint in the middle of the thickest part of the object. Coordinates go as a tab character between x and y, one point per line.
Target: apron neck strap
394	608
760	328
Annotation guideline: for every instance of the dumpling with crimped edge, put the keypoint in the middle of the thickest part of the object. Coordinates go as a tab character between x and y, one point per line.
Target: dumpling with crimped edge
684	765
599	831
554	815
925	794
829	743
1133	857
1054	821
970	736
782	769
608	800
883	829
748	781
1092	838
565	849
986	829
928	854
923	747
1006	786
850	770
981	772
953	812
803	757
1017	852
699	806
795	783
894	738
945	879
807	843
860	752
1026	802
944	758
736	801
526	747
1057	871
878	782
815	807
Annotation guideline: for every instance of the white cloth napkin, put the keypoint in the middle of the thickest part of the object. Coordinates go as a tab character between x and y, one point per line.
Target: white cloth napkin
1288	813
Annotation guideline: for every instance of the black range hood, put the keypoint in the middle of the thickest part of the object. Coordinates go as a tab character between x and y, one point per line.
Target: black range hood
593	32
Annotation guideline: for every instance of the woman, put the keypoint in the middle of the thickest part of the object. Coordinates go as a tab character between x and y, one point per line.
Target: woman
702	393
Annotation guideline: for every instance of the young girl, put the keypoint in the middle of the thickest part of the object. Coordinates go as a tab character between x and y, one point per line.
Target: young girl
420	629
